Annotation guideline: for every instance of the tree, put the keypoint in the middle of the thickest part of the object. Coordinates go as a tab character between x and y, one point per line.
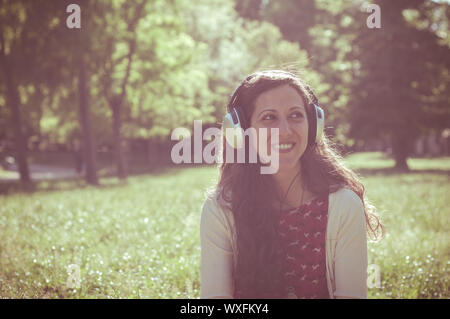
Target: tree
22	36
13	101
399	75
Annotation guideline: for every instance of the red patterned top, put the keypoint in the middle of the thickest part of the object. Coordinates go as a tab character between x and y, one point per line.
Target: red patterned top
302	243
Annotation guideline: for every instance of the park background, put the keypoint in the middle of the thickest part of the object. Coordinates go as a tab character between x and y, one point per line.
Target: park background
86	116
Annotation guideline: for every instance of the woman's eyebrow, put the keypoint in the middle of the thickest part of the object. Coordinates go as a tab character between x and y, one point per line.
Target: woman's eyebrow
265	110
274	110
301	107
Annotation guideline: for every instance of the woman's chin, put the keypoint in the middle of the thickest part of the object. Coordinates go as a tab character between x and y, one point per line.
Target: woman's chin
287	164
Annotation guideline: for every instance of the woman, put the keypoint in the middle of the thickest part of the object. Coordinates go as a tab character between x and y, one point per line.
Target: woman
297	233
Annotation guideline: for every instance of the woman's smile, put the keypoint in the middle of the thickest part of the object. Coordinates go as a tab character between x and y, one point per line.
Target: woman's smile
284	148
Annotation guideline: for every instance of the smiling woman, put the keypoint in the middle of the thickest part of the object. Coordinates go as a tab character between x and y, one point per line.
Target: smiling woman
297	233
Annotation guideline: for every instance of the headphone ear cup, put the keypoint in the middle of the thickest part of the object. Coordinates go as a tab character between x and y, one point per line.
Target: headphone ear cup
312	125
232	129
315	124
320	123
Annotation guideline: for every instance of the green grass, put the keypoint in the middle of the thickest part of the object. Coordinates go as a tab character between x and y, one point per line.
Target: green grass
140	239
415	209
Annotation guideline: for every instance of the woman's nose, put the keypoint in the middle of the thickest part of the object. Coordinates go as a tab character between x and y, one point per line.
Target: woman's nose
285	127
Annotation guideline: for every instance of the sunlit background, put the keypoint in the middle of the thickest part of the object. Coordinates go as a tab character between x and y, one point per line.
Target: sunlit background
86	116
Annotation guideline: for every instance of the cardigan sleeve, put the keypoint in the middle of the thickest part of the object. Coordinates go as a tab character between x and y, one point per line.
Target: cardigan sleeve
350	262
216	252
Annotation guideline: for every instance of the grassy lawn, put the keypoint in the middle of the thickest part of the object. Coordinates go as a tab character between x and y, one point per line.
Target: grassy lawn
140	239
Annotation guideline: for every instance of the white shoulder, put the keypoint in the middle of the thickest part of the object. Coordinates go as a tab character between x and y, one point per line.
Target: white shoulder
216	250
345	206
347	230
345	198
215	220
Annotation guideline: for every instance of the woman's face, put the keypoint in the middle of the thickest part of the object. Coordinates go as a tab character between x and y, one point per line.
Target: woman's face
282	108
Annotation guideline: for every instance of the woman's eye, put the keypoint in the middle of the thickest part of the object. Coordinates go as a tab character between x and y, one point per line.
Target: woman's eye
297	115
268	117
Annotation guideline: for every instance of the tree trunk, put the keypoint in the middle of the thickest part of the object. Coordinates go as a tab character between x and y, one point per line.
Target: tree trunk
400	152
117	124
12	96
88	140
149	153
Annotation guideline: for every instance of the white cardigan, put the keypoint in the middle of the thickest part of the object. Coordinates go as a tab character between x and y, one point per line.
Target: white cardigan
346	247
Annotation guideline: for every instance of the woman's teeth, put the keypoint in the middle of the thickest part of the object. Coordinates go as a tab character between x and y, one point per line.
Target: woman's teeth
284	146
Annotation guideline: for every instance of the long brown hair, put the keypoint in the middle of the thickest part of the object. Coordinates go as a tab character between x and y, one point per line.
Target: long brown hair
250	195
